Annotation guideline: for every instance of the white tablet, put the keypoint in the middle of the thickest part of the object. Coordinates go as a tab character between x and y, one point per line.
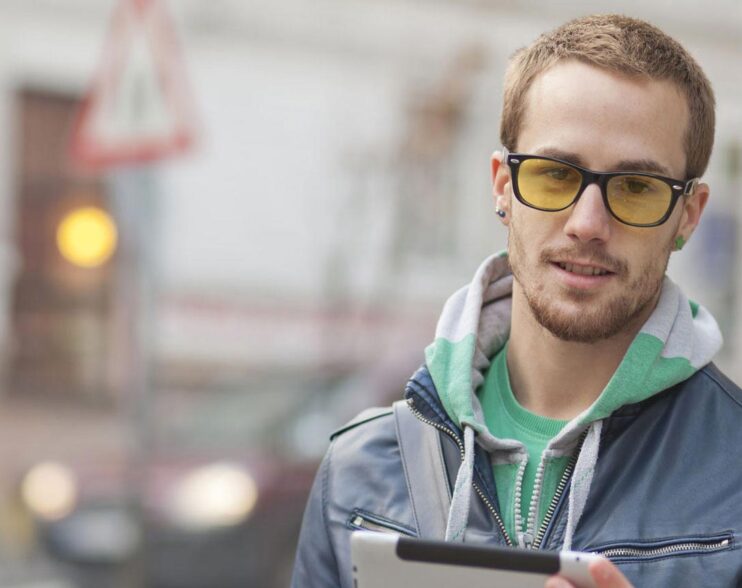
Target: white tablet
384	560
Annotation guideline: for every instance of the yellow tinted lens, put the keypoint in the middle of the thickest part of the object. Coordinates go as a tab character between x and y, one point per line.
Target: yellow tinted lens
546	184
640	200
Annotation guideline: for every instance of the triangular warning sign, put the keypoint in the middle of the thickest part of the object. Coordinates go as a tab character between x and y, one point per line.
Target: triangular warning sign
138	108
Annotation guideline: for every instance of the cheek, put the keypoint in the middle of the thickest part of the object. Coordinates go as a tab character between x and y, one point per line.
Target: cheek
526	235
536	228
649	257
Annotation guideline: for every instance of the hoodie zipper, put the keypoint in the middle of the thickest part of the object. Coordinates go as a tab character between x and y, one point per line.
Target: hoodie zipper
557	498
561	487
477	489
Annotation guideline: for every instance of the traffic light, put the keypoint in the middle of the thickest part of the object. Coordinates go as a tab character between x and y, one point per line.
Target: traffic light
87	236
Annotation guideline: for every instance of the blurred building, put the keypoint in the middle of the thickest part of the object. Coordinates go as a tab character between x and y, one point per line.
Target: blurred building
297	258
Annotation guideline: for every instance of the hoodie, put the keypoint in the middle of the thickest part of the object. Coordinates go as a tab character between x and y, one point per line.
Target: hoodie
679	337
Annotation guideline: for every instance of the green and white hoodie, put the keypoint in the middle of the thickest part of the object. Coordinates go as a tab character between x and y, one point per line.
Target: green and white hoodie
678	338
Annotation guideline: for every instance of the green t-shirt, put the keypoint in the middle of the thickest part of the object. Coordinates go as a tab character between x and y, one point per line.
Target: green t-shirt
507	419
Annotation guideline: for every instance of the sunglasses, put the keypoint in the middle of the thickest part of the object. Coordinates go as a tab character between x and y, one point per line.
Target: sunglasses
634	198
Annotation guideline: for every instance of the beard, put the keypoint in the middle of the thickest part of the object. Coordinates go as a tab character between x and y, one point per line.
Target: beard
590	322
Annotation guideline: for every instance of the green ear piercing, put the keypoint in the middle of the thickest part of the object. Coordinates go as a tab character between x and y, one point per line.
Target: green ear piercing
679	242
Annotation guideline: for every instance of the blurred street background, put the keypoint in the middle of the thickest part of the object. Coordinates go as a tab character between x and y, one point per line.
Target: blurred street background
183	325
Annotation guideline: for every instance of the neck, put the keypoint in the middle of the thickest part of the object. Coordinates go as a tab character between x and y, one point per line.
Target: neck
568	376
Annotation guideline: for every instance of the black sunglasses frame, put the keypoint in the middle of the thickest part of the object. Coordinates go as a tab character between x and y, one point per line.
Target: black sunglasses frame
678	187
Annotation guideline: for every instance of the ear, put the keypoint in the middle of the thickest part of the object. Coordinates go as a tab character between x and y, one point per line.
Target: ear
693	206
501	185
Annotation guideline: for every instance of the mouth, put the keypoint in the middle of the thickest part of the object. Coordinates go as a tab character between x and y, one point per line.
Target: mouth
583	269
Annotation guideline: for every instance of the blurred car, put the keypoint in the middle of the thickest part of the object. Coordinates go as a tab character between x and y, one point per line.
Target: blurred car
200	523
216	494
216	499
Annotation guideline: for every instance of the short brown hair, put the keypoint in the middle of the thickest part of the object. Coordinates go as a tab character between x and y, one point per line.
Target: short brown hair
625	45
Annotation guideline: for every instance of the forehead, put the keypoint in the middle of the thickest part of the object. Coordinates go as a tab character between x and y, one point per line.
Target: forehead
605	117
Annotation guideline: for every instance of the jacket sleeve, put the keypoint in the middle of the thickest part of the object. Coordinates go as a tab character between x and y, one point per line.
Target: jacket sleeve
315	565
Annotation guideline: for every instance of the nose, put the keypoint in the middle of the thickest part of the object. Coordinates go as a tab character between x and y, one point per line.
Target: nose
589	219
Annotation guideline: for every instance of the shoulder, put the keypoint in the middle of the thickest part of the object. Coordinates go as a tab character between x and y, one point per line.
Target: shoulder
713	379
703	410
710	390
685	411
363	418
364	472
367	440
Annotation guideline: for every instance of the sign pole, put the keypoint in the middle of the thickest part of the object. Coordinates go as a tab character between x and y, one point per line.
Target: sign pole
137	112
134	195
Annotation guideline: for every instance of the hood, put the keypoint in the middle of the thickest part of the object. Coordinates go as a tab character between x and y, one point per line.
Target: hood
679	337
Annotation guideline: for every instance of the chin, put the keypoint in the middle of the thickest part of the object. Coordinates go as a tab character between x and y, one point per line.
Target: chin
586	322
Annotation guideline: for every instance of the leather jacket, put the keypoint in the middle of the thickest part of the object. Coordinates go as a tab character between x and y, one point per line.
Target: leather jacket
665	502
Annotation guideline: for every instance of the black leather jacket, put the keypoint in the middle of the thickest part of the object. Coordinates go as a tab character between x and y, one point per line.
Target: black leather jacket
665	502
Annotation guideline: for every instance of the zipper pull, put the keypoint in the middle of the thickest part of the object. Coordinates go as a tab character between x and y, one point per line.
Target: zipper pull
525	540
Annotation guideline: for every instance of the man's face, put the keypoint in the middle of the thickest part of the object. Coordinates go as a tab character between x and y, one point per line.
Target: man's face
604	122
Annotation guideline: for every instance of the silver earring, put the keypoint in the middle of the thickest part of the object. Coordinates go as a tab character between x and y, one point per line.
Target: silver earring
500	212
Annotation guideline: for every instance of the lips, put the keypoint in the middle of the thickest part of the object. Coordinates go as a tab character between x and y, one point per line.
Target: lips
583	269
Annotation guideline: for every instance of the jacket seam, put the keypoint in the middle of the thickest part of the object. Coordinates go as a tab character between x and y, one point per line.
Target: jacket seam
714	379
325	491
352	425
406	477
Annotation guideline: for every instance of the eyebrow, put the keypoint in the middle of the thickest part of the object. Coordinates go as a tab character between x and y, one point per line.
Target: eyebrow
629	165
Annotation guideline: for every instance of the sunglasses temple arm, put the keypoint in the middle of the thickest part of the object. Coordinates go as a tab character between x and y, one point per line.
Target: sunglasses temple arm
690	186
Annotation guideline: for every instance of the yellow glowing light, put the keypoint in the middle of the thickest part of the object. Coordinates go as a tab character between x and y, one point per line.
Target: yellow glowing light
49	490
87	236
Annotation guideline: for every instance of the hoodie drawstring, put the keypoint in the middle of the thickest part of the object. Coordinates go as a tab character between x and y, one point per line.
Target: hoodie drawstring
582	478
458	515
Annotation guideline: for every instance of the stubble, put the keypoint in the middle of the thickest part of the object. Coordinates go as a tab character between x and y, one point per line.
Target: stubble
593	322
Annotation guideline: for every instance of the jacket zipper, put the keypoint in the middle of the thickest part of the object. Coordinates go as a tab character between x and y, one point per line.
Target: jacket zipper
366	522
636	552
612	553
561	487
477	489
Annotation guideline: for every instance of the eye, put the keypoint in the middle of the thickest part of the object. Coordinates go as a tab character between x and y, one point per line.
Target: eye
636	186
557	173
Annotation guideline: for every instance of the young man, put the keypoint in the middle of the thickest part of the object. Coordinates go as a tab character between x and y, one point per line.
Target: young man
569	386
